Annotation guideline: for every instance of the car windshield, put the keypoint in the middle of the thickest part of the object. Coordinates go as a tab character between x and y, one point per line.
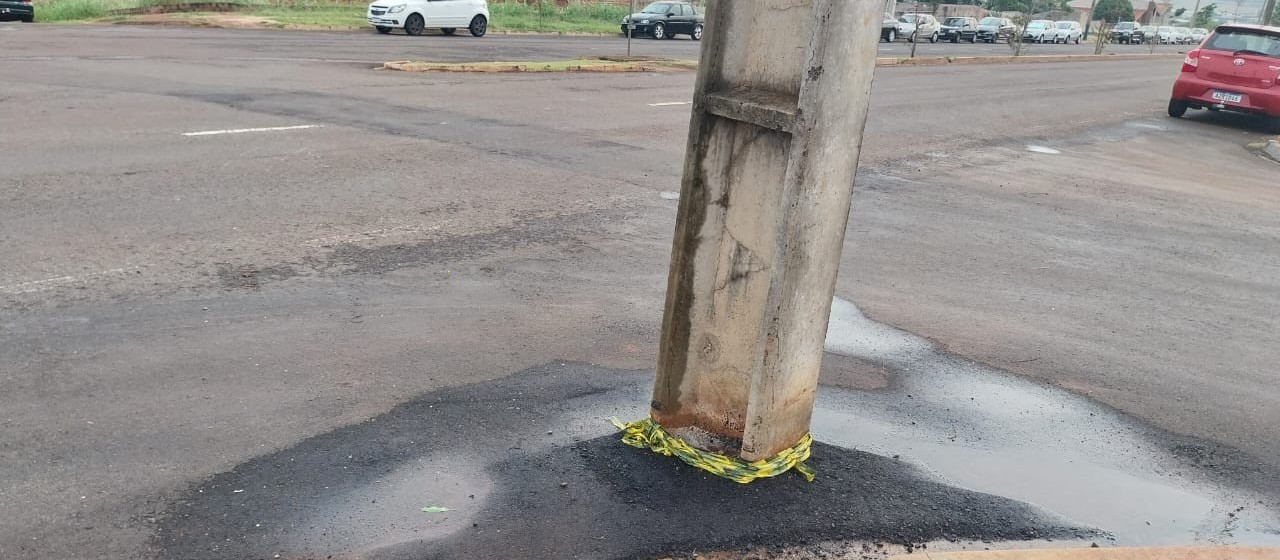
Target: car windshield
1036	24
1064	25
908	18
1147	29
1245	41
990	21
955	21
1166	30
1200	31
1124	27
658	8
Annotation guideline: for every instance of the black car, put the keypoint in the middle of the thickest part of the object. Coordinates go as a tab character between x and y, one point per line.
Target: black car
17	10
956	29
665	20
1127	32
993	29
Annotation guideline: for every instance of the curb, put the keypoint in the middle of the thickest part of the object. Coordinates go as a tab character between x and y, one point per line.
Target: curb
1161	553
1272	149
1028	59
651	66
588	66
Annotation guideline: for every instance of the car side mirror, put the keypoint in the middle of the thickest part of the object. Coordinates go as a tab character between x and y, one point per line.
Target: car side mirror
671	14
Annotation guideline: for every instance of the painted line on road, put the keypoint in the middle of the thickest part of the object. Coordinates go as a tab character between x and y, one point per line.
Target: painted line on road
670	103
243	130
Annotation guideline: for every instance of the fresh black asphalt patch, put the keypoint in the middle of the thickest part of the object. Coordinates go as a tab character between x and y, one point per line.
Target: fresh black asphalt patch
534	471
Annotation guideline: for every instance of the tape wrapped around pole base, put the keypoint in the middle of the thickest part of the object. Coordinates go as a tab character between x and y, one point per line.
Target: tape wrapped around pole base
648	434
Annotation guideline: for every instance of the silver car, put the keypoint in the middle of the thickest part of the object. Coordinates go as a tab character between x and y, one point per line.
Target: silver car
1039	31
1067	32
923	26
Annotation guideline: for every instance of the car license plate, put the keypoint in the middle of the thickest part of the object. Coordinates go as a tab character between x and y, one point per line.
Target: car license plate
1227	97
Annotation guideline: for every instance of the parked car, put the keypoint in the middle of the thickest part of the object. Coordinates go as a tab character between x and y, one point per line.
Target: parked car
1181	35
889	28
17	10
1198	34
956	29
1068	32
665	20
1150	34
920	25
993	29
1236	69
416	16
1039	31
1127	32
1164	35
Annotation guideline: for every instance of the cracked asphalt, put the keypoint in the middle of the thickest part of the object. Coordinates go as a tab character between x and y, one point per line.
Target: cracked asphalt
184	314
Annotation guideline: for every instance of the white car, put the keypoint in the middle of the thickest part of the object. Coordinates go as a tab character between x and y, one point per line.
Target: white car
1164	35
1181	35
1198	34
1067	32
416	16
1039	30
919	25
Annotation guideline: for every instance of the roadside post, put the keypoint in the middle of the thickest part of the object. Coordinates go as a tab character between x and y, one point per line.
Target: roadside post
778	114
631	26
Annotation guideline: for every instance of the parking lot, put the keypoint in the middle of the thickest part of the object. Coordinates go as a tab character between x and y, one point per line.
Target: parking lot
223	246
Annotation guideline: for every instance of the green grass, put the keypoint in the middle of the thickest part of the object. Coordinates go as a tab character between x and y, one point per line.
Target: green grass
577	17
78	10
312	13
574	18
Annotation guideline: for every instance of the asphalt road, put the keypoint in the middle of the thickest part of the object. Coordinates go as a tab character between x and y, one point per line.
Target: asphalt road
189	317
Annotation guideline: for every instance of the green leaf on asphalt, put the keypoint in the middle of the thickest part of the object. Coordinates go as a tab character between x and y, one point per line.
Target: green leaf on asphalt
435	509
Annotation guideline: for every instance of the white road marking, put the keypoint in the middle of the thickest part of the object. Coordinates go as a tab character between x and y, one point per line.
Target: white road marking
49	283
242	130
670	103
1042	149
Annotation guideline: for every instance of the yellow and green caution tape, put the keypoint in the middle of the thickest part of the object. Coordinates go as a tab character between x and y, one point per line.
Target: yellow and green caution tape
647	433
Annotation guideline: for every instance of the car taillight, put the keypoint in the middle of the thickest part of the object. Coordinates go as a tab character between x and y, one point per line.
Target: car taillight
1192	61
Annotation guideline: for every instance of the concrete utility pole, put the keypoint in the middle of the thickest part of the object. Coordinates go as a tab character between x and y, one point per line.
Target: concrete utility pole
778	113
1268	10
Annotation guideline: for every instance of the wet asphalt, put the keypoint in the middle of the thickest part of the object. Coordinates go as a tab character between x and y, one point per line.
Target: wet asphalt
188	317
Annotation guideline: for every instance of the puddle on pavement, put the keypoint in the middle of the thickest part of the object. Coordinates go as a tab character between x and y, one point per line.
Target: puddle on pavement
950	450
995	432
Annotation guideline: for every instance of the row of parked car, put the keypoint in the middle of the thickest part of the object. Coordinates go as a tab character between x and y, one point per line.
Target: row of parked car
955	29
993	29
1136	34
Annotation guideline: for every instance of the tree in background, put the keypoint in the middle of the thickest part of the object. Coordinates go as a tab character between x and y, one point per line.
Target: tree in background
1207	17
1275	16
1113	11
1009	5
1109	13
1178	12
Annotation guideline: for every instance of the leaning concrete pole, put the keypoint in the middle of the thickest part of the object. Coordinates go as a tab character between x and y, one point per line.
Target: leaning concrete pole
778	112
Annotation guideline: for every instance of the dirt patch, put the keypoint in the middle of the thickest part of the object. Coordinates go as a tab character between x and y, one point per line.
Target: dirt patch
214	20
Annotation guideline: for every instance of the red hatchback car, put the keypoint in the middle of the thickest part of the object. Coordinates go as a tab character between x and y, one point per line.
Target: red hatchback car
1236	68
